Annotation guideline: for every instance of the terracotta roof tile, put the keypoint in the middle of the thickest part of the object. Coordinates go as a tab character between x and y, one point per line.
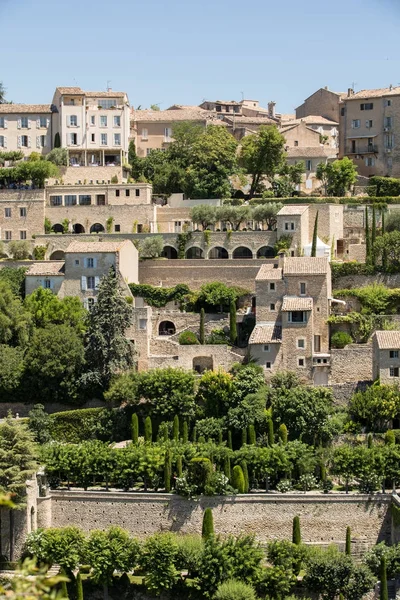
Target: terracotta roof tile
77	91
296	303
312	152
305	265
165	116
388	340
47	268
249	120
267	273
25	108
312	120
290	210
266	334
375	93
94	247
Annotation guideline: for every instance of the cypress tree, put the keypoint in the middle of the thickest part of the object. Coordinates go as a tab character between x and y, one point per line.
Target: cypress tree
245	470
201	439
322	469
348	541
64	589
373	236
79	587
367	238
244	436
194	434
167	471
208	524
384	251
252	435
271	437
383	595
227	467
148	429
232	322
230	440
175	429
165	432
238	479
202	335
369	440
283	433
135	428
179	466
185	432
57	141
296	533
220	440
315	236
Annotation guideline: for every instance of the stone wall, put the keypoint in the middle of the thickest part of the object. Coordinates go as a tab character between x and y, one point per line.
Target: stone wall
356	281
354	361
23	408
189	357
323	518
74	175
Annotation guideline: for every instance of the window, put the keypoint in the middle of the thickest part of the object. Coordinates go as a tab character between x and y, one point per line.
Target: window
127	192
301	343
370	161
388	103
117	139
289	226
167	134
308	165
90	263
93	137
24	122
104	139
301	362
266	348
317	343
355	123
268	364
272	306
368	123
394	371
367	106
342	112
22	235
296	143
8	235
85	200
42	121
302	289
272	287
394	354
297	316
93	120
148	151
90	282
76	262
143	324
145	134
90	303
137	193
117	193
388	122
70	200
388	141
22	211
117	228
73	121
3	142
107	102
117	121
7	213
3	123
42	141
24	141
103	121
73	139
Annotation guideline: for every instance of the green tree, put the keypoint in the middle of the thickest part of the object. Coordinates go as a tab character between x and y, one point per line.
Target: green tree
376	407
202	328
167	391
40	424
204	214
12	369
251	434
270	433
227	467
232	322
373	236
283	433
387	250
234	215
151	247
57	140
148	429
328	573
47	309
167	471
238	482
135	428
15	322
296	533
245	470
367	238
160	552
348	541
108	351
79	587
175	429
383	589
262	155
290	177
58	156
19	250
266	214
208	524
185	432
15	279
337	177
215	392
315	236
62	546
123	389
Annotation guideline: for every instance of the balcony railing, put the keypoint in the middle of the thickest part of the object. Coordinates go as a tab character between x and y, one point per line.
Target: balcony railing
369	149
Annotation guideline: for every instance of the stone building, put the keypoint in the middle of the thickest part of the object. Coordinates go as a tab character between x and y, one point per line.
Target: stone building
323	102
292	307
26	128
386	356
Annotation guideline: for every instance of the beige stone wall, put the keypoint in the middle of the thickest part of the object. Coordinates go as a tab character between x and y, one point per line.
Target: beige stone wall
354	217
13	132
265	297
323	102
110	194
356	252
355	281
15	200
353	363
74	175
300	235
330	222
382	364
303	135
186	357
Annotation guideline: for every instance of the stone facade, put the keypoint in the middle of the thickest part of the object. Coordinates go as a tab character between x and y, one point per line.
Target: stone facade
323	102
355	360
386	356
21	214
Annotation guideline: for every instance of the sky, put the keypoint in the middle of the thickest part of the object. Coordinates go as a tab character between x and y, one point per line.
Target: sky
184	52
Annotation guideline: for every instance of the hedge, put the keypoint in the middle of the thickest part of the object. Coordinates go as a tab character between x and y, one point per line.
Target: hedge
75	426
157	296
385	186
351	268
330	200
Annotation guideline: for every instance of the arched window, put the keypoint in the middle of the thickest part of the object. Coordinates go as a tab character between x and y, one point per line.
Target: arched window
57	255
194	252
166	328
218	252
266	252
97	228
58	228
242	252
78	228
169	252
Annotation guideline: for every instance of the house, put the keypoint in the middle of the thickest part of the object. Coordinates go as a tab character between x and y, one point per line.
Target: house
369	130
323	102
386	356
26	128
292	308
46	274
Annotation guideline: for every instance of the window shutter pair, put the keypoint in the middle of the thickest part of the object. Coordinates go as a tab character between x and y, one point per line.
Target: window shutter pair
38	141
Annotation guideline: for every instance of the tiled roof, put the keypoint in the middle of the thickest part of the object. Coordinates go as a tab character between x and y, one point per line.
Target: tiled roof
290	210
47	268
312	152
70	90
287	117
376	93
305	265
266	334
77	91
25	108
267	273
249	120
388	340
165	116
312	120
94	247
296	303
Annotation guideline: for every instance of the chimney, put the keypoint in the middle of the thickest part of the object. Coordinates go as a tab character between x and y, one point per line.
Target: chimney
326	88
281	260
271	109
350	92
390	87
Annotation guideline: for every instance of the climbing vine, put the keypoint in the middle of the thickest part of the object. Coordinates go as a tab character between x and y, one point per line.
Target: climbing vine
181	241
158	297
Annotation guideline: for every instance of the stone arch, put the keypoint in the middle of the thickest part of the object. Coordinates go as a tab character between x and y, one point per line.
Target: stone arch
97	228
266	252
242	252
57	255
166	328
194	252
203	363
218	252
58	228
169	252
78	228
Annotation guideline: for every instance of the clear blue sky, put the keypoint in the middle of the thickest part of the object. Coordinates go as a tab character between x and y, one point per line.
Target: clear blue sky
181	51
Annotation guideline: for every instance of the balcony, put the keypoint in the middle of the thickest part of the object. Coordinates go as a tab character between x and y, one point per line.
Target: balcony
364	149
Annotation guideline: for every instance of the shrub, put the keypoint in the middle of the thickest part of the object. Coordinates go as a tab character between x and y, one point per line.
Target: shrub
208	524
238	482
188	338
235	590
296	533
39	252
199	471
151	247
114	179
340	339
19	250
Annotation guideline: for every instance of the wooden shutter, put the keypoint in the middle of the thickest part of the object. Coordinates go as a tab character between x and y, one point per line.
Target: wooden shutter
5	142
29	141
19	144
19	124
96	282
38	123
83	283
5	123
38	141
47	122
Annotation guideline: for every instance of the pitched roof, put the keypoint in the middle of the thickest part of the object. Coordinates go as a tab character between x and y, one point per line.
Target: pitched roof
267	273
287	117
25	108
290	210
47	268
249	120
94	247
266	333
388	340
375	93
193	113
312	152
296	303
305	265
70	90
77	91
312	120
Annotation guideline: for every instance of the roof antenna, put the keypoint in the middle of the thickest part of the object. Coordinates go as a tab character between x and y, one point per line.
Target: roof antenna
108	85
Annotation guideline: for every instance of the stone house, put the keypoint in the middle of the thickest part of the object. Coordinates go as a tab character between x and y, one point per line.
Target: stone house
292	307
386	356
323	102
26	128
